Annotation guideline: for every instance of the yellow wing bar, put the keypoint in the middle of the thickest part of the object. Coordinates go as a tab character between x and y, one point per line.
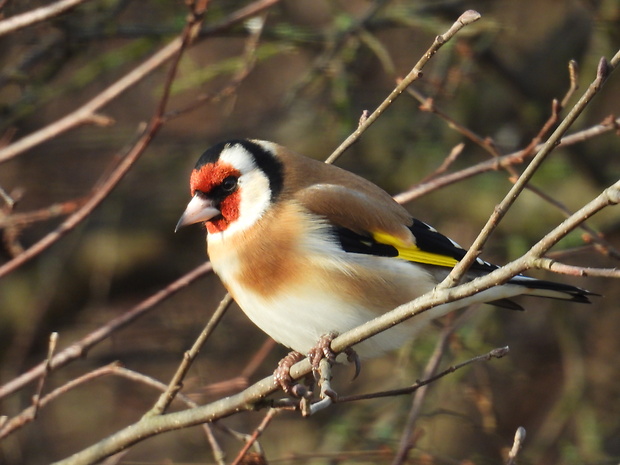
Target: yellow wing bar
413	253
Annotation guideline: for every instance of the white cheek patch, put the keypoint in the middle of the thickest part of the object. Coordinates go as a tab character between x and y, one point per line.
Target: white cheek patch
255	198
254	190
239	158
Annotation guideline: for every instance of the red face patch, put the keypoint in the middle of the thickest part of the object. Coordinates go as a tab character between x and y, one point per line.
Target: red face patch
208	177
229	209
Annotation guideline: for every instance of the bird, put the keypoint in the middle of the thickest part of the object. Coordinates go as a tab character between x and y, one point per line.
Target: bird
308	249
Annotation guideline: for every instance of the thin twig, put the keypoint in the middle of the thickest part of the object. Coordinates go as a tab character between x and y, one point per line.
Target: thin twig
602	73
37	15
29	414
421	189
447	162
573	76
176	383
87	113
465	19
495	353
427	104
258	358
271	413
114	368
249	57
557	267
432	366
43	214
80	348
36	399
603	246
556	108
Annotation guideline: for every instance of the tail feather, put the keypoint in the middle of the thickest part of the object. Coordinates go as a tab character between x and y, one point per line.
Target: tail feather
552	290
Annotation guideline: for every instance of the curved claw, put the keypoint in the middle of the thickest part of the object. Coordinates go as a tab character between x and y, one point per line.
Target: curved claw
352	357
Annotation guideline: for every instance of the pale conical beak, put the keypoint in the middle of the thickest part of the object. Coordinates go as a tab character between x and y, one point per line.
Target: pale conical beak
198	209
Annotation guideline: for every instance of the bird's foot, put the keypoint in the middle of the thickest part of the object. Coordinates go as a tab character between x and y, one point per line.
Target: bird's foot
323	350
320	352
282	375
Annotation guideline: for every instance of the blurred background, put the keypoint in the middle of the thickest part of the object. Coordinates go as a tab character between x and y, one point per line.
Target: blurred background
318	65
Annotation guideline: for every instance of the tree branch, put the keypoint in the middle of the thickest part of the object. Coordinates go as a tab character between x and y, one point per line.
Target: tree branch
470	16
37	15
81	347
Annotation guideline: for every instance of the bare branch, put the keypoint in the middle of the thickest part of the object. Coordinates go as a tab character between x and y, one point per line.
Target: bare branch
419	190
29	414
175	384
556	267
255	435
87	113
52	211
37	15
81	347
465	19
420	388
447	162
36	400
105	187
603	71
498	352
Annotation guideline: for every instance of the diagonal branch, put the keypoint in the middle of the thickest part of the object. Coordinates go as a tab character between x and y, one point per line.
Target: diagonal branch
80	348
470	16
37	15
603	71
87	113
419	190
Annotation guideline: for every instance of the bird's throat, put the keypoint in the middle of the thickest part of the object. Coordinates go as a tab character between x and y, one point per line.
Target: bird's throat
229	213
216	225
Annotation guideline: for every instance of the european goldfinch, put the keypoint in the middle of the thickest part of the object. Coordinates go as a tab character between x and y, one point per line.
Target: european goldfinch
308	249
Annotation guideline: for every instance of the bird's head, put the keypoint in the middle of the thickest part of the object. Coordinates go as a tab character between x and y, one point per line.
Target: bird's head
232	185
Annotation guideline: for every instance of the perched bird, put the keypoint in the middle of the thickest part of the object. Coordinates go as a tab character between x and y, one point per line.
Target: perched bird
308	249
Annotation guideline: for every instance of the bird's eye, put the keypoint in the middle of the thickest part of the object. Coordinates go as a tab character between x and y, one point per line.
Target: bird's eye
229	184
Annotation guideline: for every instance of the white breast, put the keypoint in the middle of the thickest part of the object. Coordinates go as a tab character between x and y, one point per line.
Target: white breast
299	315
322	298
